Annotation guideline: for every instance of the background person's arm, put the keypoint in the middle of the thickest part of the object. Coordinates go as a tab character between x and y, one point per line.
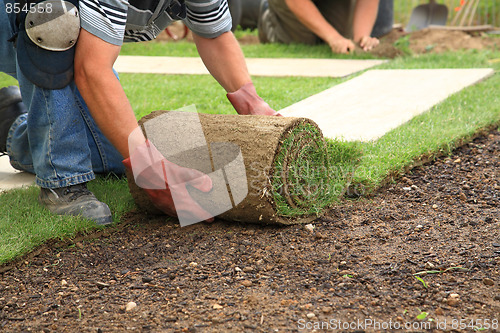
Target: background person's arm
309	15
365	14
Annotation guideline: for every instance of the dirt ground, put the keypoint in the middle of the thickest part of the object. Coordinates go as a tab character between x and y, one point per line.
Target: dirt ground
419	42
355	271
356	267
397	42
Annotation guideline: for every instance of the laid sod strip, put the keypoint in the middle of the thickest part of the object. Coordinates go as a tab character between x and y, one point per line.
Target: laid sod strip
435	133
395	153
148	92
25	224
287	171
188	49
405	93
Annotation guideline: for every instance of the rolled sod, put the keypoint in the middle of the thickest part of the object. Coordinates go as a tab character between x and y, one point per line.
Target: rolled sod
286	171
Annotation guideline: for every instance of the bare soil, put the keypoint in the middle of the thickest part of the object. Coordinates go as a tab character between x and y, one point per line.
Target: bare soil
357	267
359	263
419	42
432	41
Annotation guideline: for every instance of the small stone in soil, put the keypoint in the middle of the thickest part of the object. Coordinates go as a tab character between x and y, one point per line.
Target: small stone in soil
319	235
327	309
488	282
147	279
309	227
246	283
130	306
429	265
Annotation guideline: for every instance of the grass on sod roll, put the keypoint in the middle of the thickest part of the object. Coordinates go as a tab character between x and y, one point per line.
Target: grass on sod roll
25	225
310	173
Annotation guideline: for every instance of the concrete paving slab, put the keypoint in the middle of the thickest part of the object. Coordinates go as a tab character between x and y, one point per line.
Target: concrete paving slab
11	178
256	66
370	105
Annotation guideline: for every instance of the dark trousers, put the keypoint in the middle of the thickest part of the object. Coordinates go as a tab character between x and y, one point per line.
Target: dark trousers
279	25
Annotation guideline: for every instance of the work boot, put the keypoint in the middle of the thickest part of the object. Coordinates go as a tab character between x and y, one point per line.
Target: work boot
11	107
75	200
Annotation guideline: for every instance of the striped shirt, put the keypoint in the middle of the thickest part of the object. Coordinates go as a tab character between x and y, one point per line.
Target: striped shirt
118	21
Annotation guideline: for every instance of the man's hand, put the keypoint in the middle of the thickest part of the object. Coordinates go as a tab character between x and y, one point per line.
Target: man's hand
341	45
165	183
367	43
246	101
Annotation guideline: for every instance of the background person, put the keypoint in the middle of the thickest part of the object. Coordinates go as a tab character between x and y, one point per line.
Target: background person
339	23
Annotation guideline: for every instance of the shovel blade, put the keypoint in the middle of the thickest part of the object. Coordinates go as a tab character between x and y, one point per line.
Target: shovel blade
429	14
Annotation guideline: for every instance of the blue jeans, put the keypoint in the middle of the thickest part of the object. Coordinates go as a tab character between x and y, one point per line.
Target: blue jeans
57	139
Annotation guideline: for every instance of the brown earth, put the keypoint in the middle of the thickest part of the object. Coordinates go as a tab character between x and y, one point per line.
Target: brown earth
419	42
358	265
397	42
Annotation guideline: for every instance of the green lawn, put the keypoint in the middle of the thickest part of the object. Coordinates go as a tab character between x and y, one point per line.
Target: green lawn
25	225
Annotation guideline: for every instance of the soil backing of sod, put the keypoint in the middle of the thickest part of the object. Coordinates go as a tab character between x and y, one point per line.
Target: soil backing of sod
287	170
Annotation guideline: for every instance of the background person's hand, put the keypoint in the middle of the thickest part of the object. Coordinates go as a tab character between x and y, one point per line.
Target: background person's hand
341	45
367	43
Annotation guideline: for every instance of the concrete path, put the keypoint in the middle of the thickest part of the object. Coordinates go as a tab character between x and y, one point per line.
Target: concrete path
256	66
11	178
370	105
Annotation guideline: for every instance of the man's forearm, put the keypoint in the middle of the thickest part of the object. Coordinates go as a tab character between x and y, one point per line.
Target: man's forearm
365	14
102	91
224	60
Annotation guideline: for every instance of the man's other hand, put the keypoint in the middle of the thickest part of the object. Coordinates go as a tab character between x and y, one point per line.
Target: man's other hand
367	43
341	45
